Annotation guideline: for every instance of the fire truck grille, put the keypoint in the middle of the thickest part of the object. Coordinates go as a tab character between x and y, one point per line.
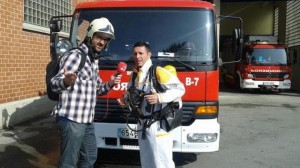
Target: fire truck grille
133	142
123	141
108	110
269	75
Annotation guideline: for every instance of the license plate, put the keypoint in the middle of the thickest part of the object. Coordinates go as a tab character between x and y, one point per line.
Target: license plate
127	133
268	83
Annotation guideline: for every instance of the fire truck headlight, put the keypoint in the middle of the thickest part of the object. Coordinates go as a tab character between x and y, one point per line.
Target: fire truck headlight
202	138
286	76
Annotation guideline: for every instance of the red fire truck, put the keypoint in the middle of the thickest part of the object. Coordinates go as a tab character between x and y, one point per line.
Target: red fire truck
264	65
182	33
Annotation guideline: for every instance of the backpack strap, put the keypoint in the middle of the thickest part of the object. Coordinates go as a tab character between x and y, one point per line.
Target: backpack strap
83	58
153	78
134	75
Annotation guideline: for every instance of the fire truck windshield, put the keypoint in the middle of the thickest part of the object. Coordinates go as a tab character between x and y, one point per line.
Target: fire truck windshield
268	56
187	35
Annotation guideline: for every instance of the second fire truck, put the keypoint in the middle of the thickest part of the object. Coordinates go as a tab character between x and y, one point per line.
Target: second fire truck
264	65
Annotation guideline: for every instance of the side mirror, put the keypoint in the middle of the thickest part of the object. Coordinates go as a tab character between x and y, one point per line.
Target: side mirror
63	46
235	40
53	41
55	25
220	62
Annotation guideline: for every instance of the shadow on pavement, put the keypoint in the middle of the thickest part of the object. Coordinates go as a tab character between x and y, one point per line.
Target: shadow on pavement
16	155
34	143
131	158
118	157
182	159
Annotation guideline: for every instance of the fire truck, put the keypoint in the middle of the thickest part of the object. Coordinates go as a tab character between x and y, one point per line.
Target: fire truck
182	33
264	65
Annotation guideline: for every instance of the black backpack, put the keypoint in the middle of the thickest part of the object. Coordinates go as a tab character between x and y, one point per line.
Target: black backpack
53	68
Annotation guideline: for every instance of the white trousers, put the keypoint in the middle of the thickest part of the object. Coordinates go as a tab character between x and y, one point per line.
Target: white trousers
156	148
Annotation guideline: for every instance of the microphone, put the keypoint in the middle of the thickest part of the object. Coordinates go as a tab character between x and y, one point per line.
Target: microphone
122	66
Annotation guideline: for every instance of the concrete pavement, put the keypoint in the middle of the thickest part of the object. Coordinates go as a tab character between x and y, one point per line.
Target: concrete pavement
32	144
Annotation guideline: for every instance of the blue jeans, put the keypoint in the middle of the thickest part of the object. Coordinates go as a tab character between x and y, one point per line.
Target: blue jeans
78	144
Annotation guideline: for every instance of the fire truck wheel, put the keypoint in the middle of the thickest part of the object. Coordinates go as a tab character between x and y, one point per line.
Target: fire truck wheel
237	83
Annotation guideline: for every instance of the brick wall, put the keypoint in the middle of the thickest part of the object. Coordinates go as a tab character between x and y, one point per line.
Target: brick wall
23	55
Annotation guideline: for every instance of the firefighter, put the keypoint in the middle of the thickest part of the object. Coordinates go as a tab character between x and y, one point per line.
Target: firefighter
155	142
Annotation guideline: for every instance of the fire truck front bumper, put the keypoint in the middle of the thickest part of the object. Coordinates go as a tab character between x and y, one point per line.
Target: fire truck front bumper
201	136
254	84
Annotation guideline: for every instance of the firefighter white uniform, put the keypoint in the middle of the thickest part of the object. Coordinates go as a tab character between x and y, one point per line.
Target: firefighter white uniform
156	146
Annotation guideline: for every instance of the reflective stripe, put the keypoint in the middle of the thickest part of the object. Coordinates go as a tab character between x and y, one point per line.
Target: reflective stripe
163	134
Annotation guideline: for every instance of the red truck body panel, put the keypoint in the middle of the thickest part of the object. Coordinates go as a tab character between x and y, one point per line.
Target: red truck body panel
146	4
197	84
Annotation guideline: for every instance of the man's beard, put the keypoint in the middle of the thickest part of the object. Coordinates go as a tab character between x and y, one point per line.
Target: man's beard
96	54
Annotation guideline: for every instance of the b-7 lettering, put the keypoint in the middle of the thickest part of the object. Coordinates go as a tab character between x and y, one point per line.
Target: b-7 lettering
191	81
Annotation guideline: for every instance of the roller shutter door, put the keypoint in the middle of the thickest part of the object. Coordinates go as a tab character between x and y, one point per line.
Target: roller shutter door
293	23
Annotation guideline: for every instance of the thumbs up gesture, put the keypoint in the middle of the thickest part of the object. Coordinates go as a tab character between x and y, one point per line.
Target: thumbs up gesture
70	78
152	98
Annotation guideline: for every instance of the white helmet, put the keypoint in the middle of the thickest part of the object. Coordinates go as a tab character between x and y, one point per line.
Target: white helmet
101	25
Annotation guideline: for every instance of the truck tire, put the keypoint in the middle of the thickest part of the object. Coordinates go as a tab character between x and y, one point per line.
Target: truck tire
237	83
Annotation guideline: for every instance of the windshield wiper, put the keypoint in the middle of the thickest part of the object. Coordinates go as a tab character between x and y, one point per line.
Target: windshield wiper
109	64
105	56
182	63
279	63
260	63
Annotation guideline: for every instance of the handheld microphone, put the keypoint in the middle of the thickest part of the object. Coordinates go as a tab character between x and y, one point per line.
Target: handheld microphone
122	66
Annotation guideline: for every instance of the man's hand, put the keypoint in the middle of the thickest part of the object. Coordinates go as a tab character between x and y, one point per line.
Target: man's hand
152	98
121	102
70	78
115	79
